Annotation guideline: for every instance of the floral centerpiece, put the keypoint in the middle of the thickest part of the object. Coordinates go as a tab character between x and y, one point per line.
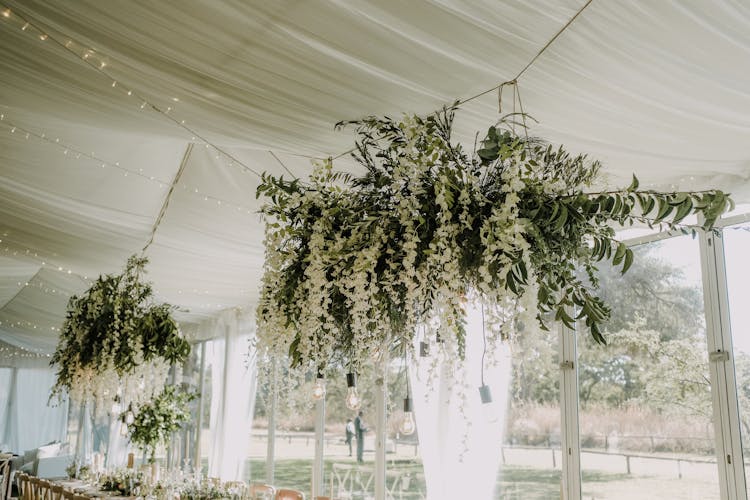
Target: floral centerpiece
125	482
356	264
75	470
116	344
155	421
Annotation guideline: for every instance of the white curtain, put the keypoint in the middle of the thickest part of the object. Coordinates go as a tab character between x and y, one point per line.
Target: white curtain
233	384
28	421
461	453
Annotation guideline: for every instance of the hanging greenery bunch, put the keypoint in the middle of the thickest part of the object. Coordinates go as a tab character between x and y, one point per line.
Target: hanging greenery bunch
155	421
116	344
355	264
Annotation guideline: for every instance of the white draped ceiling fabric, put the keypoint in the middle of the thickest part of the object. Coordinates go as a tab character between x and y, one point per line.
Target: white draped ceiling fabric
108	106
656	88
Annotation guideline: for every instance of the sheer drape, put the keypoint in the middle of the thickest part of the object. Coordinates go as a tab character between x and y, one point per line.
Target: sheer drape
28	421
233	383
461	453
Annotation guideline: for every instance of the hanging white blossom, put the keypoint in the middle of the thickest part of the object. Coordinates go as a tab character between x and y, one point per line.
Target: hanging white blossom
355	265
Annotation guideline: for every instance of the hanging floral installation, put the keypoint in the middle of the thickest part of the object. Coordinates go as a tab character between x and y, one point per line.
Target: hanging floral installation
116	344
356	264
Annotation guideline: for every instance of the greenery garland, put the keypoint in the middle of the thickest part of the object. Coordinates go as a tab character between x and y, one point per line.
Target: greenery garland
155	421
116	344
357	263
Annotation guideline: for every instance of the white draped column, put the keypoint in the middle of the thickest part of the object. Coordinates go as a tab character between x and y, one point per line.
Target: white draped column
233	384
461	453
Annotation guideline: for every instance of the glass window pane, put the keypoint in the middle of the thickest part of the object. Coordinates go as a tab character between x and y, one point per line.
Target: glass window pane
531	461
736	251
645	400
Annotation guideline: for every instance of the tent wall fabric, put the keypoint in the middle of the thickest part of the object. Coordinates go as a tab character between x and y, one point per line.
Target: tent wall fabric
28	421
101	102
233	388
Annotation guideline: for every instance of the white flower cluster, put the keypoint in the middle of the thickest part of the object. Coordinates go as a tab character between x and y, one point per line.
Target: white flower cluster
348	271
115	344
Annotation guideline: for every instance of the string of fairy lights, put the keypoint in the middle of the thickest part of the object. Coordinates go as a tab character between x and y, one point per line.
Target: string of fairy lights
42	286
101	63
73	152
10	351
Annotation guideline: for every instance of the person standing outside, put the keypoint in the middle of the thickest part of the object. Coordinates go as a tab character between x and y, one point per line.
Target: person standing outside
349	434
359	429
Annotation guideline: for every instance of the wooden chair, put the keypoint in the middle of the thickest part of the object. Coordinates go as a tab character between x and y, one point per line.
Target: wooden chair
22	483
68	495
56	492
44	490
34	488
287	494
257	489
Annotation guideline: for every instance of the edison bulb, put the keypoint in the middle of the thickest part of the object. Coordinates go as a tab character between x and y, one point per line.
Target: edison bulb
129	418
352	399
123	429
408	425
319	389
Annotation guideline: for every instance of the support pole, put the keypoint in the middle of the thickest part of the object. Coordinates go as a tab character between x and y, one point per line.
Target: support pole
197	461
732	481
380	428
569	432
318	479
271	449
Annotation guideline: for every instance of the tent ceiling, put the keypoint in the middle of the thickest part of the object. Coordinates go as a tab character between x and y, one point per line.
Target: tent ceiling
655	88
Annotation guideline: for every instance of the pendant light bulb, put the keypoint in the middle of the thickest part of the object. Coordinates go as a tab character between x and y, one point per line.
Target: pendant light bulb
123	429
408	425
353	402
319	389
129	418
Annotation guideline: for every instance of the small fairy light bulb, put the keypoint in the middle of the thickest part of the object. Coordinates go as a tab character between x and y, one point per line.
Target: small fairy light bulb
407	425
6	13
319	388
43	36
353	402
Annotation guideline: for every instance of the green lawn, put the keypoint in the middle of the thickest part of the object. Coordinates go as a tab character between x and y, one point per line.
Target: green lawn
514	482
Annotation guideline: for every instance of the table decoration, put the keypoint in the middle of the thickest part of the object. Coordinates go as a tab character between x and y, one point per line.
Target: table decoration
154	422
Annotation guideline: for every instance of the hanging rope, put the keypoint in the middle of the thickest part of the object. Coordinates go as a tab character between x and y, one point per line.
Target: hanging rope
513	81
167	198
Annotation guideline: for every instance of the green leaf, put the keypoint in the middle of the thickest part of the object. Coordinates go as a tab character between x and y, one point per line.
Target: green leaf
633	185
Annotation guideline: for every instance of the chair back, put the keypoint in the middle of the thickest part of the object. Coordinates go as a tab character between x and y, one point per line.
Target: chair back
68	495
44	490
34	488
22	483
56	492
258	489
287	494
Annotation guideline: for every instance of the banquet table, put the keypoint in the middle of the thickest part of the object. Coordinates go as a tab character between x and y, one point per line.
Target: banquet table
87	489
